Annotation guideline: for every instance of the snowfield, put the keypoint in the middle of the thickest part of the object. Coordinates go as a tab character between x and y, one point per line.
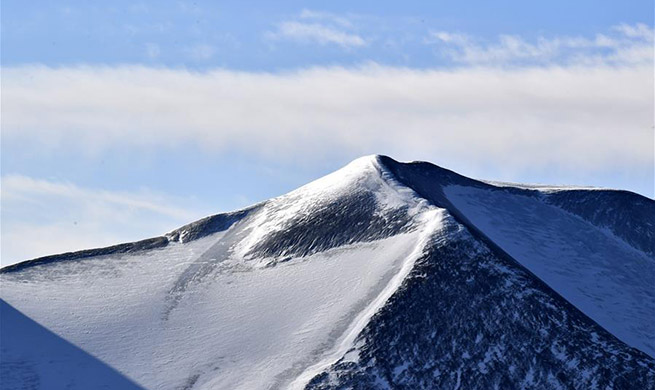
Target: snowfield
280	294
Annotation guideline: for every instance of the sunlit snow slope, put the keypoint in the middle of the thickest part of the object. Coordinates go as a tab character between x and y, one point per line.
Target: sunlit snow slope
248	307
381	274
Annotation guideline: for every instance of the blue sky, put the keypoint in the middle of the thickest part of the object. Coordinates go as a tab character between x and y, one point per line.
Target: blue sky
241	35
123	120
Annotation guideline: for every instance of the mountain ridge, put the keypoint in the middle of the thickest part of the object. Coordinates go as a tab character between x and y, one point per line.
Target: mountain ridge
305	288
221	221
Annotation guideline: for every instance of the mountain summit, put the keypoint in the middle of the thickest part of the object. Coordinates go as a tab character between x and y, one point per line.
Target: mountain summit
380	275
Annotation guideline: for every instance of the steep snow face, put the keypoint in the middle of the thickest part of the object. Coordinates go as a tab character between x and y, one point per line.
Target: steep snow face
600	273
279	293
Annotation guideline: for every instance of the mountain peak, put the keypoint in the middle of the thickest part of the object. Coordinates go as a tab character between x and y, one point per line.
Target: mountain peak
361	171
380	272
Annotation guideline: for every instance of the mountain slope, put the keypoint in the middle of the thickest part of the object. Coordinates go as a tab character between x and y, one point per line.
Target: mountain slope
469	318
381	273
597	258
210	311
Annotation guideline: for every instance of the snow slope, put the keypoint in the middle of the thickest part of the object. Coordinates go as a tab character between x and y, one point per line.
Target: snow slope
231	310
607	279
34	357
380	274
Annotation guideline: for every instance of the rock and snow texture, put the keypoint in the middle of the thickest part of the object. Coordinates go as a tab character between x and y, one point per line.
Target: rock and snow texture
588	265
380	275
467	318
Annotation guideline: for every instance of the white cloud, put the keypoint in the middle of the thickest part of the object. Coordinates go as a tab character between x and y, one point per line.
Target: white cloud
638	30
316	32
579	117
626	44
42	217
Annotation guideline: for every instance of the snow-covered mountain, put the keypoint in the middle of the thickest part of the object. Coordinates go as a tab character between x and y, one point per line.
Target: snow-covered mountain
380	275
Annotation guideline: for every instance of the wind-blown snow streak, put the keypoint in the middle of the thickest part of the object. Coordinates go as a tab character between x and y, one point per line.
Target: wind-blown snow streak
433	220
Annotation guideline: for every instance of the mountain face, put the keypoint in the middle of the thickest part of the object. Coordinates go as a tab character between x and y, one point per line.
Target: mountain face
380	275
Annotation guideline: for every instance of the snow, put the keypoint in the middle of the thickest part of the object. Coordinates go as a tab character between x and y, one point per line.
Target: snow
605	278
433	220
202	314
218	312
270	321
363	173
28	351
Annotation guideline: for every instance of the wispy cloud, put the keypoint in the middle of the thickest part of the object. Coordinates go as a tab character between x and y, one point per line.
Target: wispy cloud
623	44
74	217
341	20
152	50
314	32
201	51
16	187
318	27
